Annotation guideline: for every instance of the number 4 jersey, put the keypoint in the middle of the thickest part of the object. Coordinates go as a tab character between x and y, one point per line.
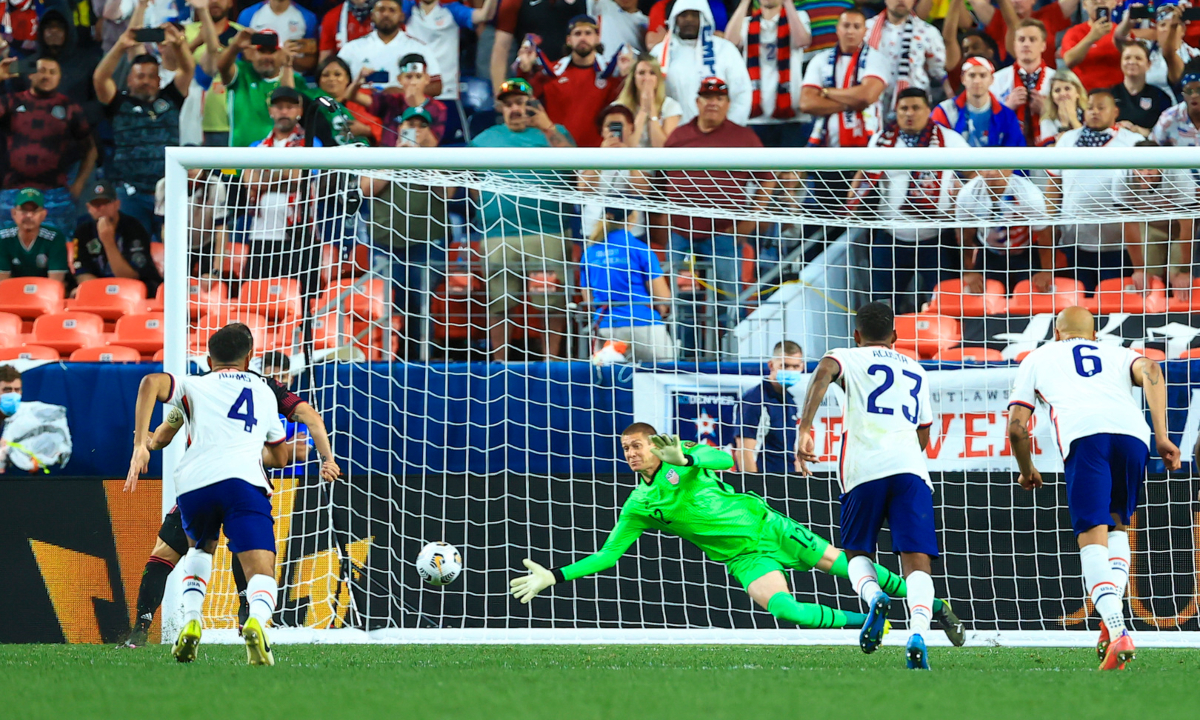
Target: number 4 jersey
1088	386
887	400
230	416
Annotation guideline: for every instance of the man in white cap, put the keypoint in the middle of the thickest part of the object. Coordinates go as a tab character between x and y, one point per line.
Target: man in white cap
976	114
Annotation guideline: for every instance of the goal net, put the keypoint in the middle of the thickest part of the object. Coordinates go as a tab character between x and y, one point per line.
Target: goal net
477	326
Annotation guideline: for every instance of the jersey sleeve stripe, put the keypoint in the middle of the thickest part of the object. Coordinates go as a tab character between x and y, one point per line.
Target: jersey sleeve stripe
841	367
1022	403
922	426
273	444
171	394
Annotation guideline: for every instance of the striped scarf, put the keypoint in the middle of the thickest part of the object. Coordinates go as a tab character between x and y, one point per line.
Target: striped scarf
783	54
924	186
904	67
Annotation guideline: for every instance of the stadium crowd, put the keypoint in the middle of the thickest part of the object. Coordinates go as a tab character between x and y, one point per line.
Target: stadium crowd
94	90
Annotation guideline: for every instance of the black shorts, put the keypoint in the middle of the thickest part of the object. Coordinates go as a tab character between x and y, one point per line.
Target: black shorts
172	532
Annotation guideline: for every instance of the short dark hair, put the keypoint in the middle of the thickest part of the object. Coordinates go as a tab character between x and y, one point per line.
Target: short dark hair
334	60
987	40
231	343
913	92
145	58
639	428
397	3
787	347
853	11
1135	43
875	321
1096	92
8	373
277	359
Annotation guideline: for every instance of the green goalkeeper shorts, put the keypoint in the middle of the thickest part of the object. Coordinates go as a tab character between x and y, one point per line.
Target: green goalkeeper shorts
785	544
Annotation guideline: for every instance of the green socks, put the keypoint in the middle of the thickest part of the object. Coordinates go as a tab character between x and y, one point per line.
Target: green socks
893	585
811	615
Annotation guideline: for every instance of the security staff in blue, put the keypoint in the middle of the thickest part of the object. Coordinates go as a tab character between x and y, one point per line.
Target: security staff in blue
767	415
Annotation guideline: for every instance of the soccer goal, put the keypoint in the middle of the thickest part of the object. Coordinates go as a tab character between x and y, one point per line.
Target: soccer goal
417	295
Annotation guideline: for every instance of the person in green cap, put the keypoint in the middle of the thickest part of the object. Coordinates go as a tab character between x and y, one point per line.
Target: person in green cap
679	493
30	248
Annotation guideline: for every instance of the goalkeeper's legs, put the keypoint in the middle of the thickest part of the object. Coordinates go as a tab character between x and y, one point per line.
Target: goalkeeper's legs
150	592
772	594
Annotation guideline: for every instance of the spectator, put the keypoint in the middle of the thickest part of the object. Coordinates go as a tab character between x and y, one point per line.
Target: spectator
768	415
414	82
1089	50
1139	104
346	21
1167	252
622	27
382	49
656	114
57	40
692	52
208	208
618	129
972	43
576	89
295	25
334	79
207	37
10	394
772	40
113	244
1014	211
531	20
910	255
282	241
1001	22
31	248
823	15
1065	106
842	87
708	238
1025	85
976	114
658	23
439	26
250	83
45	134
1168	51
1177	126
523	235
1098	251
624	287
145	120
914	49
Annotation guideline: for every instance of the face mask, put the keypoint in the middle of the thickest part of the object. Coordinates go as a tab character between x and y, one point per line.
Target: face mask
9	402
788	378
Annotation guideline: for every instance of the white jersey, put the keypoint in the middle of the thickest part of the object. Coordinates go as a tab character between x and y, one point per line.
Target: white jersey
230	416
1088	386
887	400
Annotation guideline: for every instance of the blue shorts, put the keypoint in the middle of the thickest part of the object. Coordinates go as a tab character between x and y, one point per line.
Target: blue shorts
1104	475
905	501
242	509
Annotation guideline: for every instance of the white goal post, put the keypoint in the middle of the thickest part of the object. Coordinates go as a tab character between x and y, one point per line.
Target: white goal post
444	461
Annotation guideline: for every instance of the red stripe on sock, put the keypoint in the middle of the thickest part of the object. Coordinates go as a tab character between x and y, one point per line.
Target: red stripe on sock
1105	582
196	577
268	593
157	559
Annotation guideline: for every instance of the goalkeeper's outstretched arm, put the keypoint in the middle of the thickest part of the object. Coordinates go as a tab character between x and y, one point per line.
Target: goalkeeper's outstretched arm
629	528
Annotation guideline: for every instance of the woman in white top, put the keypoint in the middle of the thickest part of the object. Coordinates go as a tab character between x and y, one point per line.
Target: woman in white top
1064	106
645	93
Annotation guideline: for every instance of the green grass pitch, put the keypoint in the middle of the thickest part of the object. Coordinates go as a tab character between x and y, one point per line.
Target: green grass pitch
582	682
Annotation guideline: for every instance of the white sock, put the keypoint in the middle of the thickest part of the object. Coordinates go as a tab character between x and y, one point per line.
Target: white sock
1098	576
1119	558
197	569
920	601
861	570
260	593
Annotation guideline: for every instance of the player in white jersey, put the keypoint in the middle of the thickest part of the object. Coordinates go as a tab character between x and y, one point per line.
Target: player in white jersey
1104	441
882	469
220	482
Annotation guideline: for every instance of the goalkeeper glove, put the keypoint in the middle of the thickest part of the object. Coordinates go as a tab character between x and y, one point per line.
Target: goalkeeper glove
526	588
669	449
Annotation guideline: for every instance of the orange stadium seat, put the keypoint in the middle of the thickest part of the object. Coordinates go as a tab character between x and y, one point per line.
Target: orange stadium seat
970	354
110	298
1063	294
141	331
29	297
158	356
949	298
205	295
233	260
1151	353
926	333
68	331
10	330
277	299
29	352
106	354
1116	295
364	300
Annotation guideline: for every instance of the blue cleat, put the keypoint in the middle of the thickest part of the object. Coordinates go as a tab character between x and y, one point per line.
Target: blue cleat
918	657
873	629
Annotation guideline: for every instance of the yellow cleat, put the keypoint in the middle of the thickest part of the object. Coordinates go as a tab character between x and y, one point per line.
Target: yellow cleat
887	627
187	642
258	651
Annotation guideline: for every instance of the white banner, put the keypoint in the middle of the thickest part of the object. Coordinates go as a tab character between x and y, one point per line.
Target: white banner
970	421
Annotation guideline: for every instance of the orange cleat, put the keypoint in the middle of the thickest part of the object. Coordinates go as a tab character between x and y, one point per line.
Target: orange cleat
1120	651
1102	643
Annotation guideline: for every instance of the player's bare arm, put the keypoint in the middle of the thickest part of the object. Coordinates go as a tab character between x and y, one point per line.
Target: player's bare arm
826	371
166	430
154	388
1022	447
1148	375
308	415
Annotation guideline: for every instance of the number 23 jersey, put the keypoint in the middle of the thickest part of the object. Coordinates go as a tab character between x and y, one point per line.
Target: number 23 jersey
1088	386
230	416
887	400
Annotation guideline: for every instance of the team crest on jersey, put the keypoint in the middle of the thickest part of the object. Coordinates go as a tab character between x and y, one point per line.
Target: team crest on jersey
58	112
94	247
161	106
42	260
1146	103
672	477
601	82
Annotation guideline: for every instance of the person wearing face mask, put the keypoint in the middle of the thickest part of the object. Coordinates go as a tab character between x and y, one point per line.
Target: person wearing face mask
347	21
10	400
767	416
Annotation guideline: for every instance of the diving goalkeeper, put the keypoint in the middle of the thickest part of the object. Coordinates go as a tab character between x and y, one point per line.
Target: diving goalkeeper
680	493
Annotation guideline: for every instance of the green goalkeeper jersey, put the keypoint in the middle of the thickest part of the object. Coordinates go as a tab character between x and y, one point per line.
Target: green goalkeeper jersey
690	502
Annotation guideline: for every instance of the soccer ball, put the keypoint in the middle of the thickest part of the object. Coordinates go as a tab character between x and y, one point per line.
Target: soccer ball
439	563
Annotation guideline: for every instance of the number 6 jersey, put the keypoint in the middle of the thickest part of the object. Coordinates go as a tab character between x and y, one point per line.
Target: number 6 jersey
230	415
887	400
1088	386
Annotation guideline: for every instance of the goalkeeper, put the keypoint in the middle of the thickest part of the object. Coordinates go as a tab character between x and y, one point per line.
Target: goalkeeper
679	493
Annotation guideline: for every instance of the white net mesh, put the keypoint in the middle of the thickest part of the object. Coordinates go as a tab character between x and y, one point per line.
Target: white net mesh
397	294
